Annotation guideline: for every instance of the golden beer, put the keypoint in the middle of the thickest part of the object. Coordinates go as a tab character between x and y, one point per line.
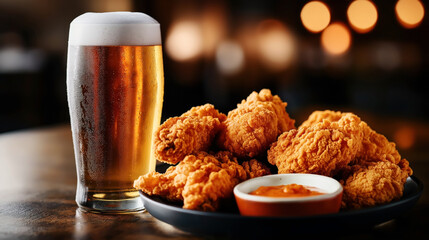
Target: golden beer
115	95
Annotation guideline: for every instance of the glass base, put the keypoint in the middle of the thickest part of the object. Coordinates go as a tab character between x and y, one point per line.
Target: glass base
111	202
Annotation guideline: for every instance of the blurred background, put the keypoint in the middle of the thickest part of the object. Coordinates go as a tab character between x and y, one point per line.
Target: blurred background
369	57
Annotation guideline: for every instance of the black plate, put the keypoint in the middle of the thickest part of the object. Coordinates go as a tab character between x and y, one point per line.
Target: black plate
232	223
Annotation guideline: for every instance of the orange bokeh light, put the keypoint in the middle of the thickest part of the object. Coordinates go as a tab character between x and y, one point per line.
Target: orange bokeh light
184	40
315	16
362	15
409	13
336	39
276	45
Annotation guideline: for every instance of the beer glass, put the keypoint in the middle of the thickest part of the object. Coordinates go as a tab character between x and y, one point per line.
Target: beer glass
115	87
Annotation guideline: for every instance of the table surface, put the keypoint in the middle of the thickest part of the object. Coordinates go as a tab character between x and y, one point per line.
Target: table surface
38	183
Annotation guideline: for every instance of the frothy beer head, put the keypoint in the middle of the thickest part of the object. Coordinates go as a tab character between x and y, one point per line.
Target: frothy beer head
114	29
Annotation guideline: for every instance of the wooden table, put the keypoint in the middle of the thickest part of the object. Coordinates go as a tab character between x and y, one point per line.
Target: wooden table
37	189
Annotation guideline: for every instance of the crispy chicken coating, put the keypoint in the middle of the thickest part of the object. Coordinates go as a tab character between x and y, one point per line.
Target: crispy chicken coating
374	183
376	147
255	168
319	116
201	180
192	132
256	122
273	103
323	148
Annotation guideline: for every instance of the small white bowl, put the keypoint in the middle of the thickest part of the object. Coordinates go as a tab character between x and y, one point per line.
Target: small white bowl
252	205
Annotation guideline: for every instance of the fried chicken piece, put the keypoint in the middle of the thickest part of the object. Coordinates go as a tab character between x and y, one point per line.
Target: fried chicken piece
201	180
377	175
323	148
340	145
256	122
249	131
374	183
192	132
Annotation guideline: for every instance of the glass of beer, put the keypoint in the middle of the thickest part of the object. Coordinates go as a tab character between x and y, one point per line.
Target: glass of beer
115	87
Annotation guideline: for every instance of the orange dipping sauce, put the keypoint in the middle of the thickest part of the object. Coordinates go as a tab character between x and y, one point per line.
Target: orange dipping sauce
290	190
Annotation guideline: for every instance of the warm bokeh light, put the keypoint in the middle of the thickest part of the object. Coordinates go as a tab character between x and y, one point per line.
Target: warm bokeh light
276	45
184	40
315	16
409	13
362	15
336	39
405	137
229	57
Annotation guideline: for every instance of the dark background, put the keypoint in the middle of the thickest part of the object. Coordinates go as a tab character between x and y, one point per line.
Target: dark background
382	77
